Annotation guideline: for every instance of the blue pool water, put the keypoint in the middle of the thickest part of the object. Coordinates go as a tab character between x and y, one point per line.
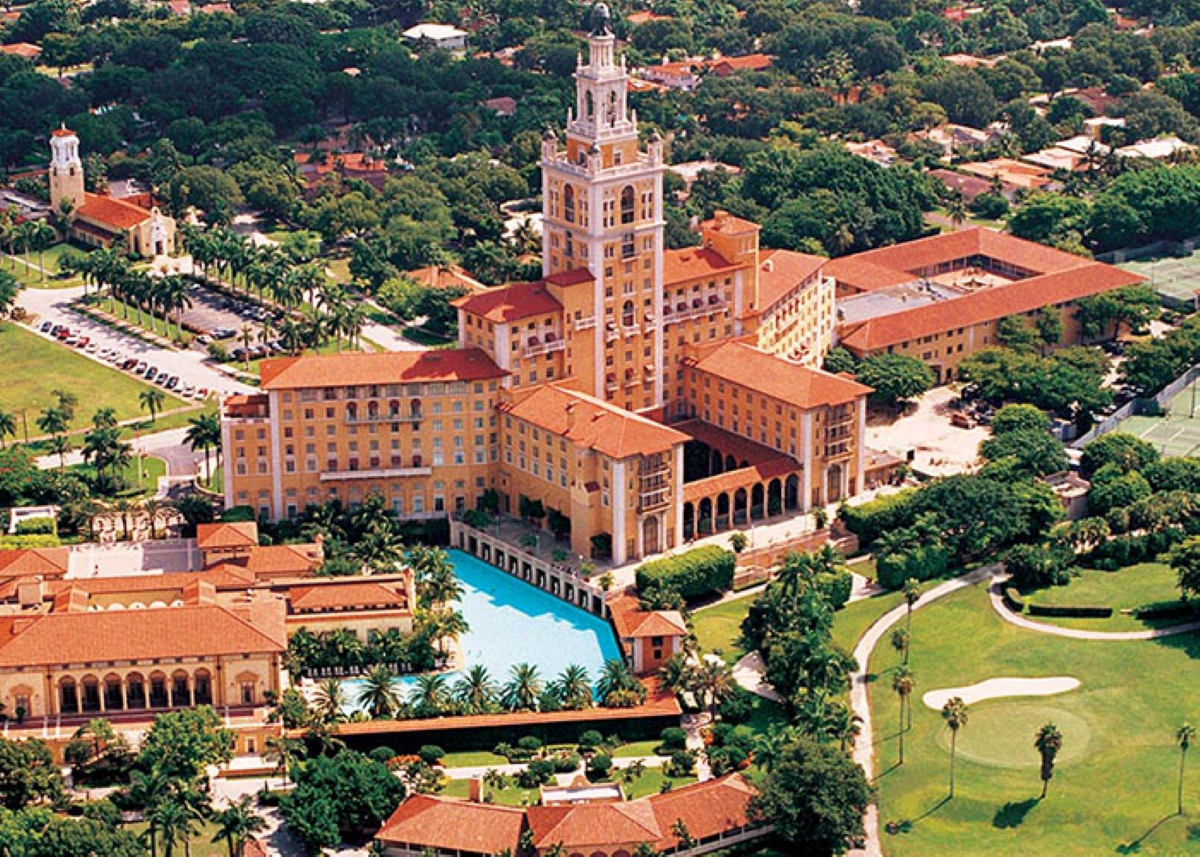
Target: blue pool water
513	622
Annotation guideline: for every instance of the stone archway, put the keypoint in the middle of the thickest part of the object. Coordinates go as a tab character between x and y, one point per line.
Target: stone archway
68	696
722	521
791	493
758	507
774	498
741	503
689	520
135	691
704	522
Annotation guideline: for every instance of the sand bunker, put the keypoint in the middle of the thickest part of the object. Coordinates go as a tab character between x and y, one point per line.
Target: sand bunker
995	688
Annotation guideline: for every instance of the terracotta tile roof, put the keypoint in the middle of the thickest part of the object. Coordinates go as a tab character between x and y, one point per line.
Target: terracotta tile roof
694	263
122	635
62	132
753	62
113	213
969	186
22	49
984	305
724	223
227	535
889	266
649	623
591	423
362	595
279	560
446	824
509	303
573	277
780	271
47	562
446	278
583	825
773	376
744	477
393	367
706	809
253	848
156	587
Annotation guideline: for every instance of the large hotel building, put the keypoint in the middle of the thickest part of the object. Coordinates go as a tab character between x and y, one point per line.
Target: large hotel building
645	395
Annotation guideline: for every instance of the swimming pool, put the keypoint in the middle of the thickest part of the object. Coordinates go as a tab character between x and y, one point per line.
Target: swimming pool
513	622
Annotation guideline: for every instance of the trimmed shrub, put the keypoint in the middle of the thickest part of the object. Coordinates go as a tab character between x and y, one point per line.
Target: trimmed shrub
871	520
38	540
1170	610
382	755
681	764
431	754
37	527
565	763
1013	599
600	767
836	586
530	743
536	774
700	571
1072	612
673	738
922	562
590	740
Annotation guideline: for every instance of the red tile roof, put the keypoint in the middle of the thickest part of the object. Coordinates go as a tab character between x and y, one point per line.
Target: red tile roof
47	562
227	535
591	423
573	277
509	303
743	477
752	62
985	305
113	213
780	271
337	370
706	809
724	223
773	376
446	278
347	595
638	623
452	825
694	263
22	49
123	635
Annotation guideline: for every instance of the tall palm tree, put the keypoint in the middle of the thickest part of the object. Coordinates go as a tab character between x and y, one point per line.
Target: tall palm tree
445	624
177	823
431	695
900	642
147	791
284	752
246	338
676	673
572	688
524	688
59	445
8	426
380	694
955	713
475	691
912	594
616	679
713	681
903	683
204	432
237	823
329	700
1183	738
152	399
1048	742
956	210
437	584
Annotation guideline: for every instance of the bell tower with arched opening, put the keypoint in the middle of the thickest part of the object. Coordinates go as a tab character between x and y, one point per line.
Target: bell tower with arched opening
602	207
66	169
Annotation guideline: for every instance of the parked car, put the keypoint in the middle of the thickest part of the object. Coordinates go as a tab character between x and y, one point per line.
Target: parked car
91	348
46	326
172	382
130	363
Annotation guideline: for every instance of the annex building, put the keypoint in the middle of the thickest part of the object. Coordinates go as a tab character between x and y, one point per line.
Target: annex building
939	299
637	396
101	220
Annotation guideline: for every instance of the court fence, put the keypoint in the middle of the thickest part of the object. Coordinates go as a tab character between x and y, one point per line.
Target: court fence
1151	406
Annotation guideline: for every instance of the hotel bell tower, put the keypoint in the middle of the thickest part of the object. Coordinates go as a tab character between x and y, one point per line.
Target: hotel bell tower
602	207
66	169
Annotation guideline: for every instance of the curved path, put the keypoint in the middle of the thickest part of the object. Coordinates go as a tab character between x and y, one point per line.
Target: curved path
1012	618
864	746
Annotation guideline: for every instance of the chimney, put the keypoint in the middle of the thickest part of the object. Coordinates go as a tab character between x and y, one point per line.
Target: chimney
769	265
475	790
30	592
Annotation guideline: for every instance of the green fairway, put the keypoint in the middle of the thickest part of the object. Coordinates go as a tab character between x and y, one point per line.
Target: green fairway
1135	586
1113	789
718	628
851	621
34	366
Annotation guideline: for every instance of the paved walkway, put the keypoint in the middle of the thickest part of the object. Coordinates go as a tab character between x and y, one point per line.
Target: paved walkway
864	746
997	599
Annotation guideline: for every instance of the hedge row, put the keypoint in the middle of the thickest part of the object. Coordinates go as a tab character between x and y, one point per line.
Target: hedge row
870	520
1175	610
36	540
700	571
922	562
1120	551
1013	599
1074	612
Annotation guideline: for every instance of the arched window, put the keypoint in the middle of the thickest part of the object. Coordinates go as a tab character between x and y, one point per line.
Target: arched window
569	203
627	314
612	108
627	203
590	102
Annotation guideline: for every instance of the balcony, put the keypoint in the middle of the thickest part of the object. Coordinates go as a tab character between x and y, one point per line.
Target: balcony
388	416
684	311
378	473
547	344
585	323
648	500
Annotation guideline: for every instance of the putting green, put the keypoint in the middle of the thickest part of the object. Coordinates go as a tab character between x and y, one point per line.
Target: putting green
1000	734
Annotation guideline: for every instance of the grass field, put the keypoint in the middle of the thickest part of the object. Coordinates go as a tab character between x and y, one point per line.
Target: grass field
719	627
34	366
200	845
649	783
851	621
1136	586
1113	791
153	469
24	267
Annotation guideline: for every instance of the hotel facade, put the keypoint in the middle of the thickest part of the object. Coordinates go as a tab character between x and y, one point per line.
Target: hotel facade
609	396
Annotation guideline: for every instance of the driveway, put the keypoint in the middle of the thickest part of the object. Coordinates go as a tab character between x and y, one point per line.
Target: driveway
191	367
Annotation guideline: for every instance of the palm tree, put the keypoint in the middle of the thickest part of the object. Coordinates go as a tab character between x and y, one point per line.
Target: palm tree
329	700
10	287
53	421
284	752
769	747
59	445
956	210
237	823
444	624
713	680
912	594
8	426
524	688
1048	742
616	681
40	236
147	790
900	642
903	683
246	337
475	691
676	673
1183	738
572	688
431	695
204	432
380	694
955	713
437	584
151	399
177	822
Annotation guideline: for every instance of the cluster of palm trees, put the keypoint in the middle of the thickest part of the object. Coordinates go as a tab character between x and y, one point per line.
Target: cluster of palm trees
111	272
380	695
175	809
23	236
316	309
709	680
203	433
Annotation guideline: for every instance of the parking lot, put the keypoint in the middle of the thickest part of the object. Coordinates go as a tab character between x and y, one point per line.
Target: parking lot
215	316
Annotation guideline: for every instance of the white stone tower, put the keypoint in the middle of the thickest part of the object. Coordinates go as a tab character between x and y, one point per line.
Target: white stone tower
66	169
602	207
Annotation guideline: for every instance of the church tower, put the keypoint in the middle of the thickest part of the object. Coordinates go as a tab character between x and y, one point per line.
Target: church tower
66	169
602	208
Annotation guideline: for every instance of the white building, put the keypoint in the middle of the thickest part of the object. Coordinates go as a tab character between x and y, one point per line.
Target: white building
439	35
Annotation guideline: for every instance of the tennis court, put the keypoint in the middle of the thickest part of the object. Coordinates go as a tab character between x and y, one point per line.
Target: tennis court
1175	279
1177	432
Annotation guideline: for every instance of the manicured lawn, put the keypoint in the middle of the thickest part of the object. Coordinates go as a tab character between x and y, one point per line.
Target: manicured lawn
34	366
24	266
201	844
153	469
649	783
472	760
1114	788
719	627
1134	586
635	749
853	620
